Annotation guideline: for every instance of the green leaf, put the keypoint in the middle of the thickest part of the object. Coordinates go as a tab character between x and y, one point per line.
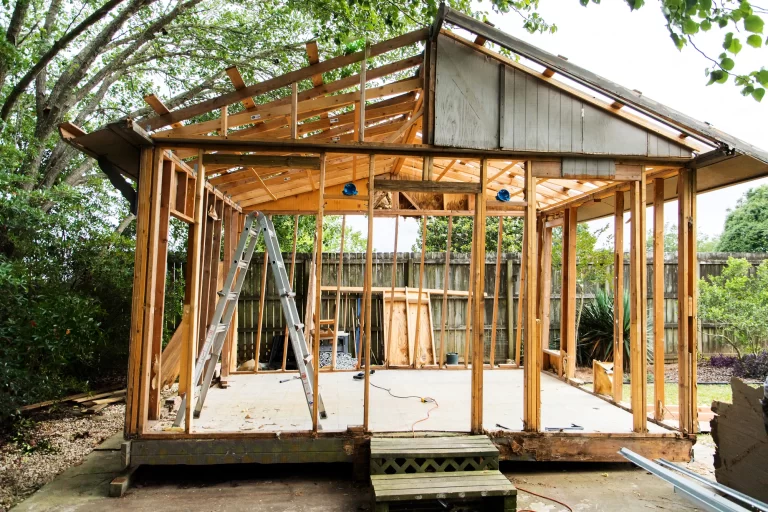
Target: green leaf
705	5
679	41
716	76
758	94
762	77
690	26
735	46
755	41
706	25
727	64
754	24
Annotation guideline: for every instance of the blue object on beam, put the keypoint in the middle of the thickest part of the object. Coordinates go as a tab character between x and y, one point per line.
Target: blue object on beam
503	195
349	189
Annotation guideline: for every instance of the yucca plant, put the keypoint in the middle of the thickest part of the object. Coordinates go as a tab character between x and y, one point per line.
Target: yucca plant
596	330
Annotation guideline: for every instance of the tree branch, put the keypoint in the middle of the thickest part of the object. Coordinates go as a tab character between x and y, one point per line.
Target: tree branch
13	96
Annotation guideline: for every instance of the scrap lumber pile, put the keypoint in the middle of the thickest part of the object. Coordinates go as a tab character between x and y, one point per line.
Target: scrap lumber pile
89	403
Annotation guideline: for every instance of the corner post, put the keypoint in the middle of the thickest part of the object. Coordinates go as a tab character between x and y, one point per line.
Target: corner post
368	296
686	300
637	305
658	299
532	366
618	297
478	310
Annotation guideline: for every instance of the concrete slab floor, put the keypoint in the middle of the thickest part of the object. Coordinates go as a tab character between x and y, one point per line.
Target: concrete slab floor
320	488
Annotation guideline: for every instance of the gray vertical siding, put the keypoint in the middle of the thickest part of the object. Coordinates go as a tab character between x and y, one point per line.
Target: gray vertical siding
481	103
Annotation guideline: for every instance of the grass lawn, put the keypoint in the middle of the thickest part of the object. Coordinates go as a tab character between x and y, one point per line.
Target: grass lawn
707	393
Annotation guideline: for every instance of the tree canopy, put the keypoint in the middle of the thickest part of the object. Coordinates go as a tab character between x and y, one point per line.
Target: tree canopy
746	226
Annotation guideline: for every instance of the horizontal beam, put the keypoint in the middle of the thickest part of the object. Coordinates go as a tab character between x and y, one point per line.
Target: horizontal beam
217	143
389	213
291	162
432	187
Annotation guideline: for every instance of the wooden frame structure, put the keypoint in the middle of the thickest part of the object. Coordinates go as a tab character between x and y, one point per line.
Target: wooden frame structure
441	133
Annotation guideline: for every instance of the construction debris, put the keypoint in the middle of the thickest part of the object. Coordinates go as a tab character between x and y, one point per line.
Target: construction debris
742	443
90	403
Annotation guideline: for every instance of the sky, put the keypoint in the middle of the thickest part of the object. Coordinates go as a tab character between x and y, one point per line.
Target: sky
634	50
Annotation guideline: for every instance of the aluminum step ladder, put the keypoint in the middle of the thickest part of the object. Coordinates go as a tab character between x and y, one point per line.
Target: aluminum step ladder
225	307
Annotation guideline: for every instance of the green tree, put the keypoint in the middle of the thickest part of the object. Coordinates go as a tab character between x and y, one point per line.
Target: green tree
746	226
736	303
704	242
461	235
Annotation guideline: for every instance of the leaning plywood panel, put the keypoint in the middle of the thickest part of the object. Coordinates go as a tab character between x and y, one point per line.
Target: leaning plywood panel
398	349
423	344
466	97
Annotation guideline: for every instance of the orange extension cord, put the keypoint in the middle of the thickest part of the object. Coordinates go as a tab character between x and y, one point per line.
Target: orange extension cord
424	399
541	496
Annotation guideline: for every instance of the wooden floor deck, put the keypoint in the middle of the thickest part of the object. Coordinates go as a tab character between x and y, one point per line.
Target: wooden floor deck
261	403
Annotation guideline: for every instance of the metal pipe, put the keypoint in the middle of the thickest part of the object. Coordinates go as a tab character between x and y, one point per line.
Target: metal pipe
701	496
748	500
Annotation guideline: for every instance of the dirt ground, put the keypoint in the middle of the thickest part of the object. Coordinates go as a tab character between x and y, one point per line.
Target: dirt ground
55	440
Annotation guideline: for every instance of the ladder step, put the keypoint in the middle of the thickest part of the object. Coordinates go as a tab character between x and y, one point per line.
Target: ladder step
232	296
242	264
288	294
298	326
221	328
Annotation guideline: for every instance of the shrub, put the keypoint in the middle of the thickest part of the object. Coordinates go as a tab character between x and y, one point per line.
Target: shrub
596	330
752	366
723	361
65	283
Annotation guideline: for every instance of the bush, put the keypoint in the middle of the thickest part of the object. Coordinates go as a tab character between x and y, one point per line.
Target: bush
596	330
723	361
752	366
65	283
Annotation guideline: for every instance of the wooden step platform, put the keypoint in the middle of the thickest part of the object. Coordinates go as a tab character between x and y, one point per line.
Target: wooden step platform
408	473
424	454
492	490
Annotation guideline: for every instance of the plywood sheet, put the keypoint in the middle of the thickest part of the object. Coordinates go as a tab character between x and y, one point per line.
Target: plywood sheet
424	351
398	350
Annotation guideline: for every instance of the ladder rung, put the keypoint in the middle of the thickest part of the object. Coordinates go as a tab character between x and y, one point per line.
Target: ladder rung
221	327
232	296
288	294
242	264
298	326
308	359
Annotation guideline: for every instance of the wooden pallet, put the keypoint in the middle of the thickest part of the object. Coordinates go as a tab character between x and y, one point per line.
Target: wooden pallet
410	471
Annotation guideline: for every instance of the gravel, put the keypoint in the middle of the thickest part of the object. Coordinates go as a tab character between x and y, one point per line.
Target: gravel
69	434
343	361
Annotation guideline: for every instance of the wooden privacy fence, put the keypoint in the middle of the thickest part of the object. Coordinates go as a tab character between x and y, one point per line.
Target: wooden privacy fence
458	279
